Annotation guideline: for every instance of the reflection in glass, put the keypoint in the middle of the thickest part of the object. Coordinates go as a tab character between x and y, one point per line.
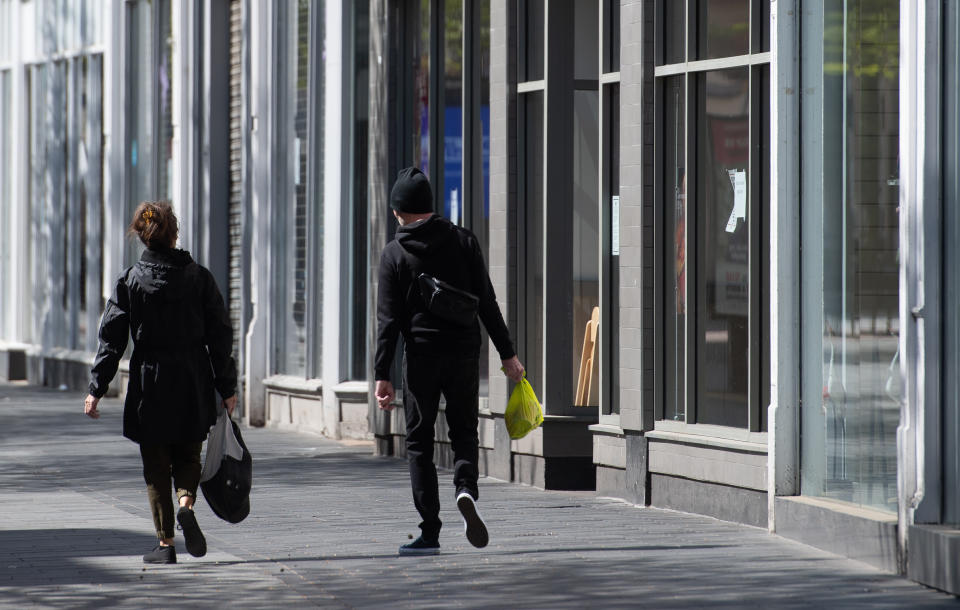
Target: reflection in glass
531	211
421	89
452	206
585	42
675	247
165	82
723	28
723	277
360	214
141	142
951	207
532	39
761	27
585	248
6	203
481	211
611	313
291	350
611	36
852	388
674	31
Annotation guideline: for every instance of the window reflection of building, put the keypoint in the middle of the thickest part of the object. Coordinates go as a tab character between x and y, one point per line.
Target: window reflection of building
852	390
712	202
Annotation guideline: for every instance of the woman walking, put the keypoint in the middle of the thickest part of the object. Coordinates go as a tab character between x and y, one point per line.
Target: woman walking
182	358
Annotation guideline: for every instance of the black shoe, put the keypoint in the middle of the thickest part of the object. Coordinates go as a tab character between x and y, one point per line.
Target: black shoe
421	547
195	542
473	524
161	554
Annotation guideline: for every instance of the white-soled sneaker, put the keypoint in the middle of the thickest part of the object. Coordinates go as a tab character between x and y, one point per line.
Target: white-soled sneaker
473	525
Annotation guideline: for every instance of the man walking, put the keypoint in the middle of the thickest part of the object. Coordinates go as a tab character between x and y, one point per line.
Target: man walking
442	353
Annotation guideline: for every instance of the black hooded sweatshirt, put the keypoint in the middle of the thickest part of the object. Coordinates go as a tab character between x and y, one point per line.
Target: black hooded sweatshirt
182	348
450	253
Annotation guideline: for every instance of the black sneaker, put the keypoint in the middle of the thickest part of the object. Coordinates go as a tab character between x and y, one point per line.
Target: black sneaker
195	542
421	547
473	524
161	554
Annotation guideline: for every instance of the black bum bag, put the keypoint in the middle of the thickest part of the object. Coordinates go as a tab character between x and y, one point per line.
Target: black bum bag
448	302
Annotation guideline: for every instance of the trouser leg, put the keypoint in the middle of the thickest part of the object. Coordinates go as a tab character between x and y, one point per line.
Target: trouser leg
461	388
421	400
186	469
156	472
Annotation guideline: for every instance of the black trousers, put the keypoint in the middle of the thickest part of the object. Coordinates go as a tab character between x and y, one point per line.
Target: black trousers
425	379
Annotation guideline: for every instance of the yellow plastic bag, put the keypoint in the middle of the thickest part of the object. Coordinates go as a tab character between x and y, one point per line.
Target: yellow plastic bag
523	412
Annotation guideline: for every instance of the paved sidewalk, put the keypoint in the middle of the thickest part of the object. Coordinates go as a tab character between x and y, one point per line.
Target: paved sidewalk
327	519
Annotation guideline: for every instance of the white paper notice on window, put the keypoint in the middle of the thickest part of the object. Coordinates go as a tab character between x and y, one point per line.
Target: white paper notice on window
615	226
738	180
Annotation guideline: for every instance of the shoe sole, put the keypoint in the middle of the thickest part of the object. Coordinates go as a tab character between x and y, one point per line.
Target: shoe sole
474	527
418	552
195	542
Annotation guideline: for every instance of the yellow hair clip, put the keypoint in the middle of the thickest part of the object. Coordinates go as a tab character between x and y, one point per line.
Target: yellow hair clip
147	216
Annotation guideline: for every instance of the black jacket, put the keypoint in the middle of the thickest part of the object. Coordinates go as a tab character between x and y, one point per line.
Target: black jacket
450	253
182	348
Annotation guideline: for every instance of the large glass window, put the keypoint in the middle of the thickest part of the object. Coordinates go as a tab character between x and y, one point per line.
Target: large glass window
6	203
149	82
294	209
530	217
421	80
452	202
951	208
850	264
444	111
712	208
585	245
360	218
608	348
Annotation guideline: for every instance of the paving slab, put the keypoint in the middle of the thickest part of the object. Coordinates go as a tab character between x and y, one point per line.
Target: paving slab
327	518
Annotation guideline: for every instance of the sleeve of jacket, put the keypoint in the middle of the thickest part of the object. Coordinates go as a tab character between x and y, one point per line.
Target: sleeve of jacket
114	332
390	307
218	336
489	311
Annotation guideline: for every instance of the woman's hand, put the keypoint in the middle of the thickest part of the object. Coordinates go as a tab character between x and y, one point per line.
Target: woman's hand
384	393
230	404
90	406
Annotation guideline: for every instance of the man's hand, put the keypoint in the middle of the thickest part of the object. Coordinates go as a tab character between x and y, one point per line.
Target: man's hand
385	394
513	369
90	406
230	404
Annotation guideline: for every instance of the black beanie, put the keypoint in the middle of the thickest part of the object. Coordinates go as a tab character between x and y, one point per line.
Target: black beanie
411	192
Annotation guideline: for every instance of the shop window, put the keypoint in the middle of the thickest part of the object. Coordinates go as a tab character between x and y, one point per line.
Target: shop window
7	292
712	208
149	110
608	337
295	210
360	217
530	218
851	388
443	114
951	304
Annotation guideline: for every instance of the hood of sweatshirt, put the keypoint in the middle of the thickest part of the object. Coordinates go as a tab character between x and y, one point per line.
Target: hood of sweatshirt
424	237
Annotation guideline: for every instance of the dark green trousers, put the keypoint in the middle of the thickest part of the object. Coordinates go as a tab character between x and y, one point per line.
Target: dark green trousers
160	462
